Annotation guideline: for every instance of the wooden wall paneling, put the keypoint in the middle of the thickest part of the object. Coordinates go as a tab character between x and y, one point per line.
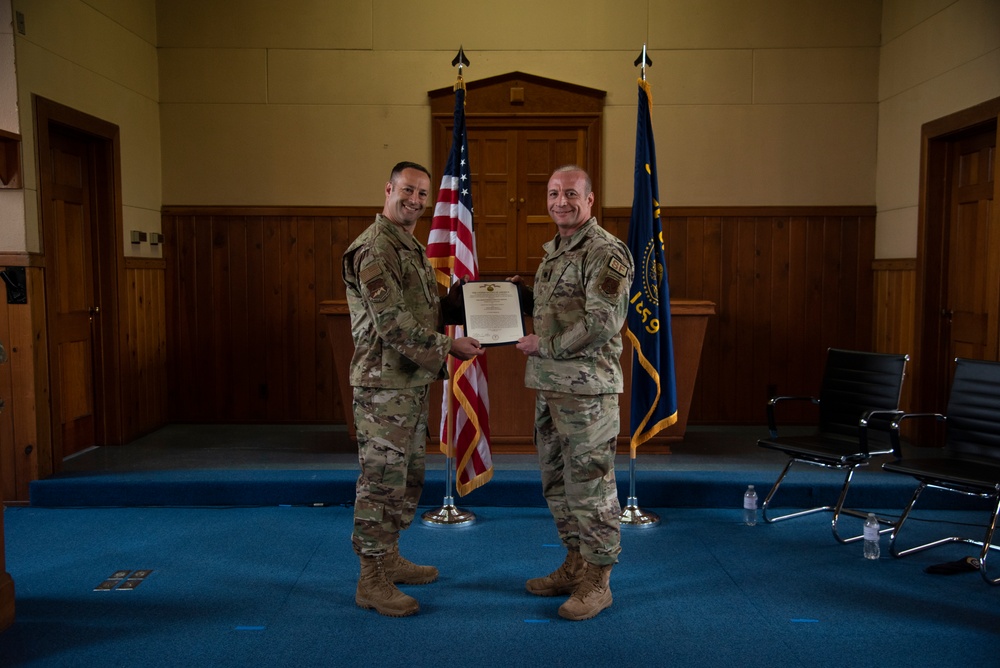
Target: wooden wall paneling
256	322
29	399
894	326
8	466
854	307
239	351
207	347
777	278
218	324
766	299
188	372
707	267
156	370
326	390
144	399
274	324
813	309
795	375
131	402
306	316
746	340
168	225
780	309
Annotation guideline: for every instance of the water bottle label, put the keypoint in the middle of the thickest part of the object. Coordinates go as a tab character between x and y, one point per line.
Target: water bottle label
749	503
871	533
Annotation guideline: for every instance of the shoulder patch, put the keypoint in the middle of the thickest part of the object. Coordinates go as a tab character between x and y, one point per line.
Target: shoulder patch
370	272
374	282
618	266
377	291
611	286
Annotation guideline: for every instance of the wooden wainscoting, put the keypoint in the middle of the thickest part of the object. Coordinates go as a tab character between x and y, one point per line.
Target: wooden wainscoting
895	313
25	428
144	369
247	343
788	283
244	333
26	442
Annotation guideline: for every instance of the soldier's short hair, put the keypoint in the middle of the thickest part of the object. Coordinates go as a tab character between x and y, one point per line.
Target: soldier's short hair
400	166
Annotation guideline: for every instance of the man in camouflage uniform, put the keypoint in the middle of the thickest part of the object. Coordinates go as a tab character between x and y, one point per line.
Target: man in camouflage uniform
399	350
579	304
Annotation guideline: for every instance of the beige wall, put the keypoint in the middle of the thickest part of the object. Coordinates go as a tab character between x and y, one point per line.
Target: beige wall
307	102
99	57
938	57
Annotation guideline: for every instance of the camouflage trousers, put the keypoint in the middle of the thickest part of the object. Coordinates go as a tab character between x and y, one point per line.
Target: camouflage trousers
576	437
391	426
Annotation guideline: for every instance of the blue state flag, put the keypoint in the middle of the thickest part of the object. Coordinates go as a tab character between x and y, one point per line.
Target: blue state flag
654	388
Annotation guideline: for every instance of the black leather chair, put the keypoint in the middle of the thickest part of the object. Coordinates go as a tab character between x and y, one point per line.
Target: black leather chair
854	384
969	462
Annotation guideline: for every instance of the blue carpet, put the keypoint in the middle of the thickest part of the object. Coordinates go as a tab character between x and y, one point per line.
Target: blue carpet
509	488
274	586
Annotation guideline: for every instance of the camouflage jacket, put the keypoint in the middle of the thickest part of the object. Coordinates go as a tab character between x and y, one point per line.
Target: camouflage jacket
395	310
580	301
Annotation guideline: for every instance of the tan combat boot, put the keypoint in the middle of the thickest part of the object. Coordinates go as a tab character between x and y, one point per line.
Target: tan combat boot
561	581
400	570
376	591
592	596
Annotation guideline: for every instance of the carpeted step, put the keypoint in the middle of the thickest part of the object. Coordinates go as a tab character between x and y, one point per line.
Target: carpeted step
509	488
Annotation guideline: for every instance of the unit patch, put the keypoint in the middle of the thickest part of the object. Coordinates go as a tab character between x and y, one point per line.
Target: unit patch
377	291
374	282
611	286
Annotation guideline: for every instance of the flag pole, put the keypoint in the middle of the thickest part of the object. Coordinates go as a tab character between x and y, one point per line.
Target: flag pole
632	515
448	514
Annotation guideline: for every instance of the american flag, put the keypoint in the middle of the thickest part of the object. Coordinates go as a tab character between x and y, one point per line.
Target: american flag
451	248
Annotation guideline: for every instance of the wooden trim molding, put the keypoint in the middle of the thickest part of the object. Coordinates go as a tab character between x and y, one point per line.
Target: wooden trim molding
22	260
149	263
897	264
218	210
753	211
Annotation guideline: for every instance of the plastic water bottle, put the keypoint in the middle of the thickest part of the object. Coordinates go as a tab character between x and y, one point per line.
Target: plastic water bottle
871	537
750	506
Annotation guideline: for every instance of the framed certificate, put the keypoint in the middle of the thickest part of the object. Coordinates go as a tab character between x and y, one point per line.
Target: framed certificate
493	312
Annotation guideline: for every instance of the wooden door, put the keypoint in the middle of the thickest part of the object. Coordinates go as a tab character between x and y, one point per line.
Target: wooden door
972	309
510	173
543	151
71	294
492	159
958	250
520	128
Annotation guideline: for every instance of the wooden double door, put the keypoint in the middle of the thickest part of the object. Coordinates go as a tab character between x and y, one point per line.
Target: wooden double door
510	173
513	149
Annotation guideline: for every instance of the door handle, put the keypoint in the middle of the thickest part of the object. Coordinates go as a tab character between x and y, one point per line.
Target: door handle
93	310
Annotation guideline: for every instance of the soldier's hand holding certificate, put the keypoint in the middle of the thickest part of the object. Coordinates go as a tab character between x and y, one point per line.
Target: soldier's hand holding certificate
493	312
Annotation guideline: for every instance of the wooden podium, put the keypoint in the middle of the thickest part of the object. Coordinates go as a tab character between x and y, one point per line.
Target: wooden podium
512	407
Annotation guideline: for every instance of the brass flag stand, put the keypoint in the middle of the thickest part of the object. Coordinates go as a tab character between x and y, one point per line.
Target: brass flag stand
632	515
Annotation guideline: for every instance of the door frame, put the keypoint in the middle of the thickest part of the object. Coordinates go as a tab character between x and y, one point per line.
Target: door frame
932	369
109	266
